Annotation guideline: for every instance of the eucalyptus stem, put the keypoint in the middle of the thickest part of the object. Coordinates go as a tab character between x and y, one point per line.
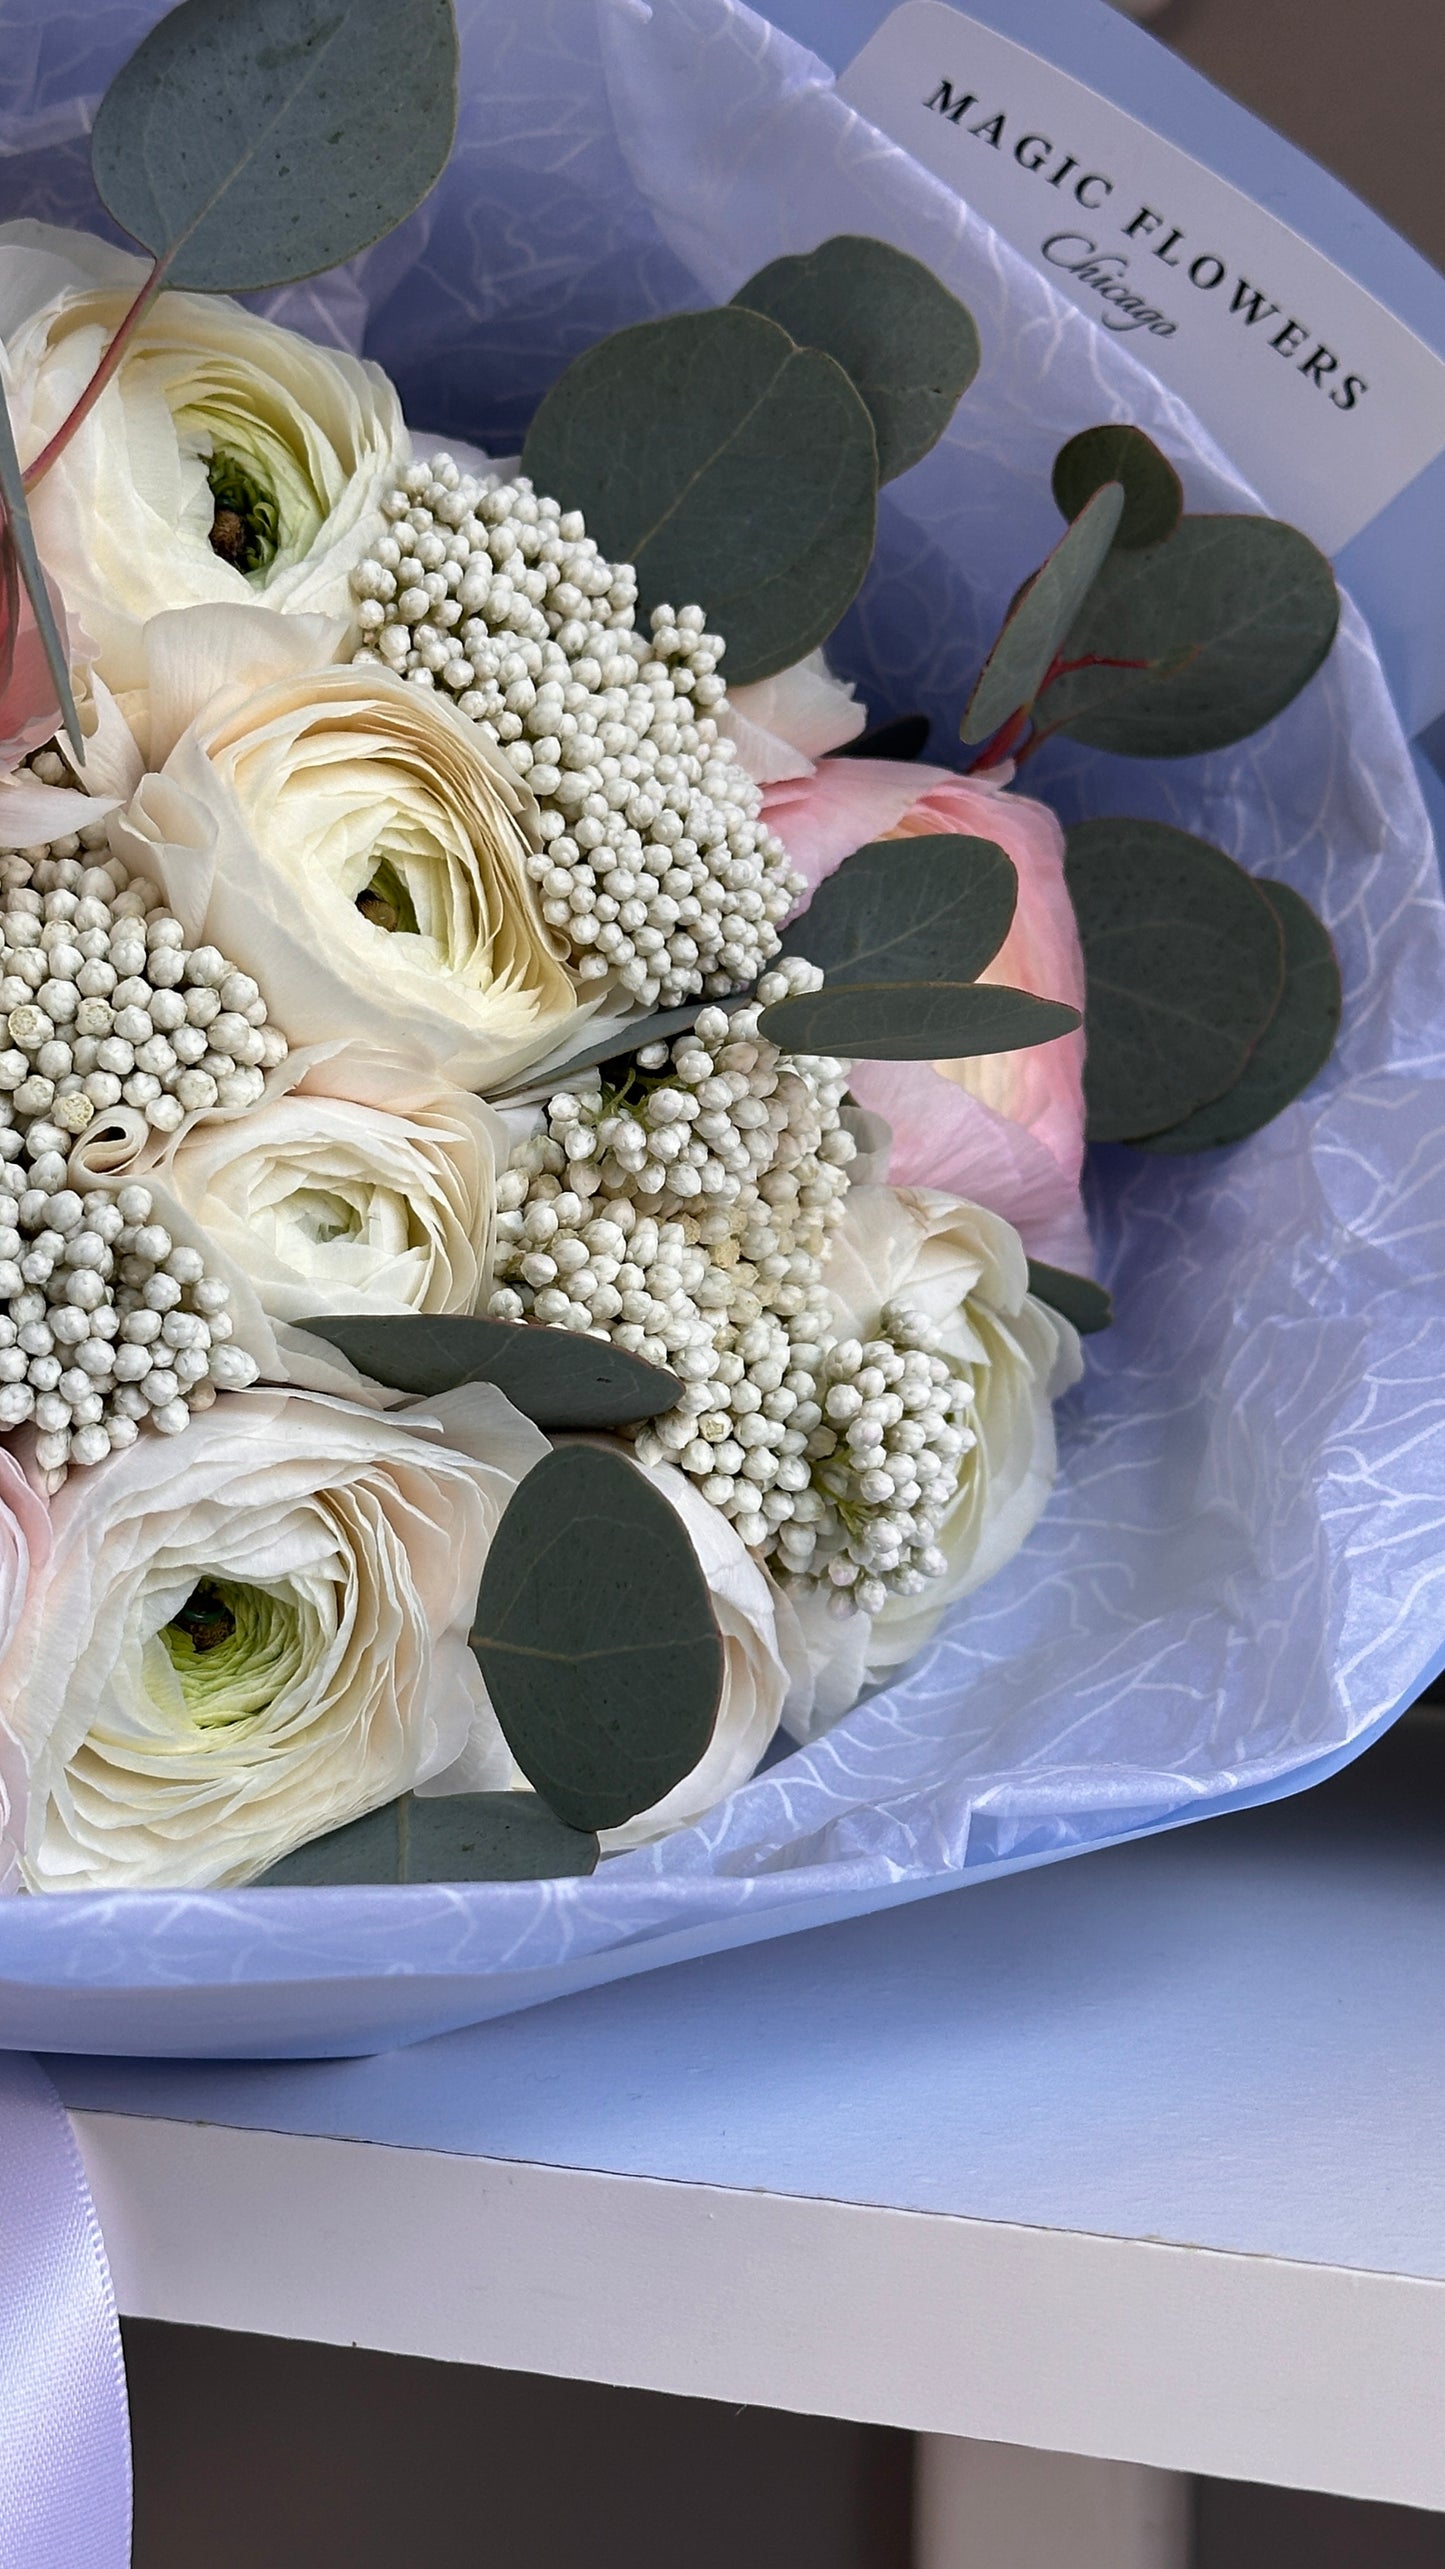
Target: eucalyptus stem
109	363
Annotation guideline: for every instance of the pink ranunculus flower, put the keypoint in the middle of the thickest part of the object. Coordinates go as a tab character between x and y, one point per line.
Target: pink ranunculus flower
30	811
1006	1130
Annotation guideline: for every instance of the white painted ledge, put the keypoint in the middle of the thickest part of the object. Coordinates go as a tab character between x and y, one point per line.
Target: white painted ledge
1185	2359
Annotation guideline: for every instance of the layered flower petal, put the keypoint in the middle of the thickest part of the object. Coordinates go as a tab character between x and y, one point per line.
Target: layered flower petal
249	1635
331	1207
354	844
965	1270
779	725
228	458
1006	1129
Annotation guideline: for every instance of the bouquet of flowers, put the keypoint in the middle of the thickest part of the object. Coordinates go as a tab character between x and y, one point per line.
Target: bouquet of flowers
542	1224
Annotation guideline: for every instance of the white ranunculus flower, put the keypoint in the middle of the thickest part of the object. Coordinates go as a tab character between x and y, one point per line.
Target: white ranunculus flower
228	459
780	726
765	1673
250	1634
966	1271
331	1207
354	844
24	1550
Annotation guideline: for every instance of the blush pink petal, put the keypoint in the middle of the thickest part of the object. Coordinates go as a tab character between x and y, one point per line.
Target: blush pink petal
29	714
1004	1129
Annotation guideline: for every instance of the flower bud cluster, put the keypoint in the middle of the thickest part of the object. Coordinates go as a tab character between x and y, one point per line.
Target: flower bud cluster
105	1321
103	1004
685	1212
655	867
886	1455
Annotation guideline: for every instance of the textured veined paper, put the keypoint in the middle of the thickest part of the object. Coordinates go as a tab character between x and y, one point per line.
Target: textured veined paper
1327	403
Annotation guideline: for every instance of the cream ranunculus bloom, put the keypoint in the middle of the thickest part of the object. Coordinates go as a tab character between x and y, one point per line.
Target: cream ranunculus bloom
229	458
327	1206
765	1674
249	1635
353	843
966	1271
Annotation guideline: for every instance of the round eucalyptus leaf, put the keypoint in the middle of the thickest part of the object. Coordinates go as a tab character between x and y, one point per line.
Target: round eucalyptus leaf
907	344
734	468
1184	965
915	1020
1040	617
909	910
556	1377
597	1639
1233	615
1295	1044
247	142
448	1837
1153	492
1077	1298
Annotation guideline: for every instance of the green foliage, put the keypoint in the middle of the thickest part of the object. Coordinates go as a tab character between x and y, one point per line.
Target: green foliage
1294	1047
248	142
936	1020
1041	616
908	346
1077	1298
902	930
899	910
1232	615
447	1837
556	1377
1185	965
729	465
597	1639
1153	493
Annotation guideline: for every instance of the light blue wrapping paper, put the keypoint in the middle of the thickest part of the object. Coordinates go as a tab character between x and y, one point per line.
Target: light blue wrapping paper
1242	1571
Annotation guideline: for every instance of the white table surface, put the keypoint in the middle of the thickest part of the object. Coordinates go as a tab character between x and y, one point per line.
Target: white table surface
1140	2155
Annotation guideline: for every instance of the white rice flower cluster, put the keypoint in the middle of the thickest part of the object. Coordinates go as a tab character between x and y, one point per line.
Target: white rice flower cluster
104	1320
887	1453
106	1005
685	1212
656	867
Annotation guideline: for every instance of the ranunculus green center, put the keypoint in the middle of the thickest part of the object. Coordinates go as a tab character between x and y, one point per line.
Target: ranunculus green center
387	902
233	1648
323	1217
246	527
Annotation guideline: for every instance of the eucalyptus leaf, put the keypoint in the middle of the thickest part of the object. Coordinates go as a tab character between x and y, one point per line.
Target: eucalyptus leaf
597	1639
1184	962
1234	614
909	910
1153	492
248	142
729	465
1040	618
909	346
556	1377
905	737
446	1837
915	1020
626	1040
19	537
1077	1298
1294	1046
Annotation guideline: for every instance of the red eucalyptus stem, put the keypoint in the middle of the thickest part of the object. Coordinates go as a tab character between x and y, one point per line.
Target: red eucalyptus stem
1005	741
37	471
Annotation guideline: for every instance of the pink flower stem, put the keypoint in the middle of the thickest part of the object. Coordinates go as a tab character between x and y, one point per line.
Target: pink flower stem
37	471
